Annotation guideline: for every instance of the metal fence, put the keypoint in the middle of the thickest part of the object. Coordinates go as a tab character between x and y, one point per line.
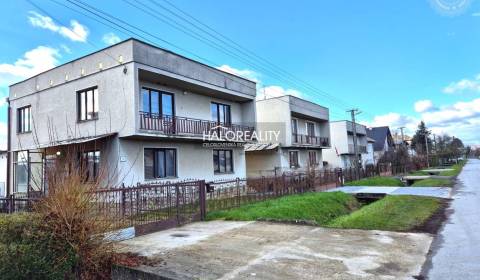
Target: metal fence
150	207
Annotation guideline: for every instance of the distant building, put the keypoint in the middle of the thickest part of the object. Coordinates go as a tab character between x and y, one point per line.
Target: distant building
304	133
370	158
342	152
383	141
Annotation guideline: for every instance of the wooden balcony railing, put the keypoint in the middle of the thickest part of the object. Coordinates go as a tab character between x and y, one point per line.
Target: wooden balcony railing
174	125
304	139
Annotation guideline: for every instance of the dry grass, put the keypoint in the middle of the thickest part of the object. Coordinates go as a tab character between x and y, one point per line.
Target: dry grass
68	215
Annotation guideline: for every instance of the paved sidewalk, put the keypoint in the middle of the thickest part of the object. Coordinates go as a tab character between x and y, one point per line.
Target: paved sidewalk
260	250
441	192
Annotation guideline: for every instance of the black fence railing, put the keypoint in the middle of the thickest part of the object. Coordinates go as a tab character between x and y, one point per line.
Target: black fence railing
155	206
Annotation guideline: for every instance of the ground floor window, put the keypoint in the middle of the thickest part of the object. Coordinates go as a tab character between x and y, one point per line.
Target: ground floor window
312	158
21	171
223	161
293	158
160	163
90	161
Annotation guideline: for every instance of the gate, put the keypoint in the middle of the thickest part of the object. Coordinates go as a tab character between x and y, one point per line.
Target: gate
153	207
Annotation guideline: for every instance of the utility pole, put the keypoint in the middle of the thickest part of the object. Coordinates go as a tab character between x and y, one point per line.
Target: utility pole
426	149
354	112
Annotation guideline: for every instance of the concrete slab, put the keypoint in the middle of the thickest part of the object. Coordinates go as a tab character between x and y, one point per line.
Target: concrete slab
261	250
441	192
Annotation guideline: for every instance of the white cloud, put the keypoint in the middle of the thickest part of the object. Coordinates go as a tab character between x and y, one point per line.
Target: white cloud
472	85
423	106
76	32
33	62
65	48
276	91
245	73
394	121
110	38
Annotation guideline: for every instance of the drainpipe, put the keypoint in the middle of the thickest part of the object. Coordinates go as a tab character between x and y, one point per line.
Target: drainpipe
9	153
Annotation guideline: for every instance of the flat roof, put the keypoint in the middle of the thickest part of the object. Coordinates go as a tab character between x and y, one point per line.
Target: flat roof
126	40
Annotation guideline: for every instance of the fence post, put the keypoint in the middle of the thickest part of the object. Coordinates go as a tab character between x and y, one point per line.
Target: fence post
177	202
237	185
11	204
123	200
203	200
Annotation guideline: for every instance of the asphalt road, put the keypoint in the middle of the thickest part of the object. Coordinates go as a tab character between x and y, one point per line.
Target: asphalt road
456	249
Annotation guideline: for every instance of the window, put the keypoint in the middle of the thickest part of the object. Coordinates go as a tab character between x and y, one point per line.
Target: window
157	102
21	171
87	104
310	129
90	162
220	113
295	130
293	157
160	163
312	158
222	161
24	116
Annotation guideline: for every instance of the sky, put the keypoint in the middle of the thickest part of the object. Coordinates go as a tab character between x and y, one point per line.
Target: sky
399	62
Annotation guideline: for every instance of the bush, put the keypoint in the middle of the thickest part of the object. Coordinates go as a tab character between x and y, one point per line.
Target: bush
26	252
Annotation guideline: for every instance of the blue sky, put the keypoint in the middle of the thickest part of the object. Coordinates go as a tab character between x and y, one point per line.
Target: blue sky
398	61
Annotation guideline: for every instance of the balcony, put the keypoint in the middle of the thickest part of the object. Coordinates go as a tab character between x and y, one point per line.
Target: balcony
189	127
303	139
361	149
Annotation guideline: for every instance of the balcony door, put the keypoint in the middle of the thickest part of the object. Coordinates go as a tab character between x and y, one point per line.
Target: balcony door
295	130
310	132
158	110
221	114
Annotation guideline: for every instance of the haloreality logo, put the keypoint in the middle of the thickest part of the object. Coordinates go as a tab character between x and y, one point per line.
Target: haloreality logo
450	7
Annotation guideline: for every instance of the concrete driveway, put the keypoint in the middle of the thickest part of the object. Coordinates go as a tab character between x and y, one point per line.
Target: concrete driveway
260	250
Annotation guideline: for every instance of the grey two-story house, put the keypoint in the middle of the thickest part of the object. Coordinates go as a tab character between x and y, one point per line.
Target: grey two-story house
136	110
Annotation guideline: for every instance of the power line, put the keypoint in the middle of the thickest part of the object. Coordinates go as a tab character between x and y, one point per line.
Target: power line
154	13
224	39
114	20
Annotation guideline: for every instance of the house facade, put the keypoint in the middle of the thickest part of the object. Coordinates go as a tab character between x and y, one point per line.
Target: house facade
303	133
384	141
3	172
141	112
342	152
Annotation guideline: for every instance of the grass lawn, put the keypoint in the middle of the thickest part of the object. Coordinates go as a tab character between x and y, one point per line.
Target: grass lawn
396	213
319	208
376	181
433	183
457	168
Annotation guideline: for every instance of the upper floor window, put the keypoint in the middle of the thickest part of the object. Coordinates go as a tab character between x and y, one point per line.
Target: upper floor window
160	163
310	129
157	102
220	113
24	116
87	104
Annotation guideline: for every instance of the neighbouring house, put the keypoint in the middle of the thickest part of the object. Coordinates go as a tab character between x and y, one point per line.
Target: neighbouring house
143	113
383	141
3	172
342	152
370	157
303	132
406	141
